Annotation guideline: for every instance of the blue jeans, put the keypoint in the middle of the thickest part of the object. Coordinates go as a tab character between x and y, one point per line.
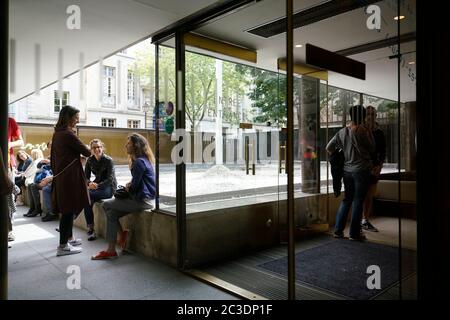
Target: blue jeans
47	193
117	208
356	187
96	195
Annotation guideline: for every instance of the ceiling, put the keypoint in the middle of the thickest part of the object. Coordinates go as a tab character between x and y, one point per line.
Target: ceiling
336	33
106	27
110	25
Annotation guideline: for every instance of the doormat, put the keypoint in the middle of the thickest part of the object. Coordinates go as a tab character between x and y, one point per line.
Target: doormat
342	266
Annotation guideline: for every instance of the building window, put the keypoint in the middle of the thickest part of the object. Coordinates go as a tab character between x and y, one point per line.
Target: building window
109	86
134	124
131	88
106	122
60	100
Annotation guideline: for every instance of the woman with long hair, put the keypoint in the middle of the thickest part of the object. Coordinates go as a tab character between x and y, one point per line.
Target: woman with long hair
141	190
23	163
104	184
69	188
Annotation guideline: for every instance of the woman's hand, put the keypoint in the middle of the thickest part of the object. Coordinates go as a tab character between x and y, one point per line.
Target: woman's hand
92	186
376	171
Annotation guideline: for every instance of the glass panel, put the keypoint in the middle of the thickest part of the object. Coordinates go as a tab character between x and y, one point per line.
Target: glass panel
408	151
364	33
166	123
235	115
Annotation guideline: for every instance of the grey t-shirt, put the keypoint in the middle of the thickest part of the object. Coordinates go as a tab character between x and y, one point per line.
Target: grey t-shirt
357	146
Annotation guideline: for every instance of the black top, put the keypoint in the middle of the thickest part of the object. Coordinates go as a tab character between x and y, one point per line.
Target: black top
380	147
24	165
103	171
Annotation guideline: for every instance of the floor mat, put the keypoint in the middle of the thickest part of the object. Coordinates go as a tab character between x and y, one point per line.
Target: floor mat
341	266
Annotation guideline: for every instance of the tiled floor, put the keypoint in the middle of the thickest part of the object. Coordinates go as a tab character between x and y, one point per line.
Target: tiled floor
36	273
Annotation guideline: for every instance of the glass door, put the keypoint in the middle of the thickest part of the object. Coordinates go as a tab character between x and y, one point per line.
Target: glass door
235	111
357	46
232	144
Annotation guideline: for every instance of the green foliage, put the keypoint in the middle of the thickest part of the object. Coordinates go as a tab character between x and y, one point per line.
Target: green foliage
200	82
389	107
235	84
200	94
268	96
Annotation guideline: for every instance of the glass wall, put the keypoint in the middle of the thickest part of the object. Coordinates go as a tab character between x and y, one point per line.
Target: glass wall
378	261
164	123
241	105
235	110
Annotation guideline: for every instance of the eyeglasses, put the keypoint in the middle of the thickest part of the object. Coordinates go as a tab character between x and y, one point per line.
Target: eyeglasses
96	147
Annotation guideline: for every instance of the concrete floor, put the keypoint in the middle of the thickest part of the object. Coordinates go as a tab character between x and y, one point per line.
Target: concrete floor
389	232
35	273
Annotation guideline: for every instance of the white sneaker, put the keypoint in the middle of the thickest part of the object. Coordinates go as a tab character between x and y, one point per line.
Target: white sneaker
75	242
68	249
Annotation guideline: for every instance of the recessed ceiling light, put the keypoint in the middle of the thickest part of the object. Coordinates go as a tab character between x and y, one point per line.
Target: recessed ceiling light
298	45
399	18
412	62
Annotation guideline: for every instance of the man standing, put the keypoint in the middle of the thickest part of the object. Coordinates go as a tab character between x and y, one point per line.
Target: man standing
357	144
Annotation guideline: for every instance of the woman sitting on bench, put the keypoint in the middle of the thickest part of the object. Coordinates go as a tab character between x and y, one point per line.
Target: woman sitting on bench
141	192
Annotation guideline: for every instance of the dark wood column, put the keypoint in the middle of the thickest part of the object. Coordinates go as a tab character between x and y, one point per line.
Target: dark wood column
433	152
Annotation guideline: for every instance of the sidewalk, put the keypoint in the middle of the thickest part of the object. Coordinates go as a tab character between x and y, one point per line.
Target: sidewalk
36	273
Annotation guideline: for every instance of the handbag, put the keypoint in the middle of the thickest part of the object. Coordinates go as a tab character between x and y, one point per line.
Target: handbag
121	193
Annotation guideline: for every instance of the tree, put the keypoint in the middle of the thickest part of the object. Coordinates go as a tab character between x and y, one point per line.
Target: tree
200	83
268	95
200	78
235	86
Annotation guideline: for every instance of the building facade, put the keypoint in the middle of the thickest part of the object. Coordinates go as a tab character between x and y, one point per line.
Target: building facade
108	94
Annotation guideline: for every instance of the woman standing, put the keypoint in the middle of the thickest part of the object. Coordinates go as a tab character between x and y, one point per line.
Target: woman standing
69	189
141	190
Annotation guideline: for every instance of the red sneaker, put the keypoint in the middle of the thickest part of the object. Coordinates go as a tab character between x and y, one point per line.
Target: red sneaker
104	255
123	239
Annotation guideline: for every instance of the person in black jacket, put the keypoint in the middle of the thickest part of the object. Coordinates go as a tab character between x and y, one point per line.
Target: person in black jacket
104	184
337	161
378	158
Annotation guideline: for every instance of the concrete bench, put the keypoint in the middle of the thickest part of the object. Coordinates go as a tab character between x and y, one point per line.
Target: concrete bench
152	234
386	199
388	190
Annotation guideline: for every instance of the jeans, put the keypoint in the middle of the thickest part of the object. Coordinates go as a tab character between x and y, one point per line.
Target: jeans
33	197
47	194
356	186
117	208
95	195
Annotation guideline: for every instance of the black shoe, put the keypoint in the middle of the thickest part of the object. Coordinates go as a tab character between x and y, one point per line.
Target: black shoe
360	237
338	235
91	235
368	226
49	217
29	212
34	213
